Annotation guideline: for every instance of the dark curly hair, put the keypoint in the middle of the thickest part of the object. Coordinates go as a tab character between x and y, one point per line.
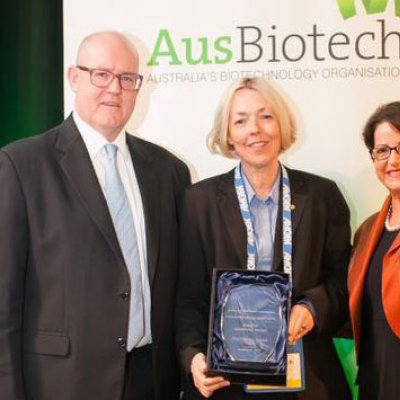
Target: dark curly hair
390	113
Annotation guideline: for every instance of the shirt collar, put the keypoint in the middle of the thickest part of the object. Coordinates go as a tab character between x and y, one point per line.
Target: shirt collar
94	140
273	194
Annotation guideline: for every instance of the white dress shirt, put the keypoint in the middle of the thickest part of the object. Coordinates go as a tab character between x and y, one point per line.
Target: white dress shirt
95	143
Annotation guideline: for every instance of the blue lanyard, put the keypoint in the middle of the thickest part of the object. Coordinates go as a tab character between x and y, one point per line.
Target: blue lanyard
286	221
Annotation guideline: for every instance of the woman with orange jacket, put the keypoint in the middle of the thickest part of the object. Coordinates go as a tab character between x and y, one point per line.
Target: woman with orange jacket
374	274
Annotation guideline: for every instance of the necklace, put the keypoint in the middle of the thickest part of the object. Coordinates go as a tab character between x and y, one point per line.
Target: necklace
390	228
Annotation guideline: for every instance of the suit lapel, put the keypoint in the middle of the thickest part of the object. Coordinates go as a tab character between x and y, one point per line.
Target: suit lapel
298	202
151	206
77	167
229	209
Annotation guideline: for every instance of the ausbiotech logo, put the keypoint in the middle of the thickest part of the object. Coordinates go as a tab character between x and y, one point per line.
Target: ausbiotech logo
249	44
348	7
274	51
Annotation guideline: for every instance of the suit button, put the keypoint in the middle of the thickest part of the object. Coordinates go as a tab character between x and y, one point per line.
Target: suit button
121	342
124	295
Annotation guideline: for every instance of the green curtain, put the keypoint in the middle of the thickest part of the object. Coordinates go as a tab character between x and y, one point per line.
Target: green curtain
31	68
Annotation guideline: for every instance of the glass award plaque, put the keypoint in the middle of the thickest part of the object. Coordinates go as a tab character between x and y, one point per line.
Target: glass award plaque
248	326
251	322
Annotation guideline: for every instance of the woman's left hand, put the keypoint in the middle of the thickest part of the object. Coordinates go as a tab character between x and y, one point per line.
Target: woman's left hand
301	322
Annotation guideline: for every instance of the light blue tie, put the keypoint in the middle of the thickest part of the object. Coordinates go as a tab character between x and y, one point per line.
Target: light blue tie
121	214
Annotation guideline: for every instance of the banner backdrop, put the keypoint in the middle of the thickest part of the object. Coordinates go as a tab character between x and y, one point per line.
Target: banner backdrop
335	61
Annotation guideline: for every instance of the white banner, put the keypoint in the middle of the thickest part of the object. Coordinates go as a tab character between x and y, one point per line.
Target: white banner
335	60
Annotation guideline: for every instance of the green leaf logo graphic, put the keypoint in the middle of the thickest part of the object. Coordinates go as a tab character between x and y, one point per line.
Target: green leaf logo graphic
348	8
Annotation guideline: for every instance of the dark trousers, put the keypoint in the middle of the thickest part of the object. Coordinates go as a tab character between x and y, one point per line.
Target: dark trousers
139	375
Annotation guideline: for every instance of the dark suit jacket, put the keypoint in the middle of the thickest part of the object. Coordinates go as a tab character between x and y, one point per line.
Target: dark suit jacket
62	273
366	239
213	235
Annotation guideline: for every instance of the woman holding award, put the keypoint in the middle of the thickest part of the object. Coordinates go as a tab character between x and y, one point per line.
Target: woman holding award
222	228
374	274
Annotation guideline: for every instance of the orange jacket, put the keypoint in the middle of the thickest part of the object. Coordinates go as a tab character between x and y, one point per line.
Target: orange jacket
366	239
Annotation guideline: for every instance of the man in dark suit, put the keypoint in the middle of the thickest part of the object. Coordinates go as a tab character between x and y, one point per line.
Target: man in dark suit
86	297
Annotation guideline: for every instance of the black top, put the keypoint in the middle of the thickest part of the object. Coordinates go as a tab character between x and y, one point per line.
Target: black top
379	377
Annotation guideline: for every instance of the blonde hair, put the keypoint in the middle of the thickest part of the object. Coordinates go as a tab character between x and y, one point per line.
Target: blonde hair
217	140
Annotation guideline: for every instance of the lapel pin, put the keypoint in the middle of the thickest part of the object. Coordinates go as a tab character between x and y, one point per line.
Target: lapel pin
292	207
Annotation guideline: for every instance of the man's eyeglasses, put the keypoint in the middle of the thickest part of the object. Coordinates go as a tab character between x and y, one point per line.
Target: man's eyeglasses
383	152
102	78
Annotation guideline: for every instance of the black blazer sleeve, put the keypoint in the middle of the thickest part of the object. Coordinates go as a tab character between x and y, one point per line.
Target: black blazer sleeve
212	235
14	252
331	221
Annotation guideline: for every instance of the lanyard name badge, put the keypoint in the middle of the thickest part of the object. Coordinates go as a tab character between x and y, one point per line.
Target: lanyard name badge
286	221
295	379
